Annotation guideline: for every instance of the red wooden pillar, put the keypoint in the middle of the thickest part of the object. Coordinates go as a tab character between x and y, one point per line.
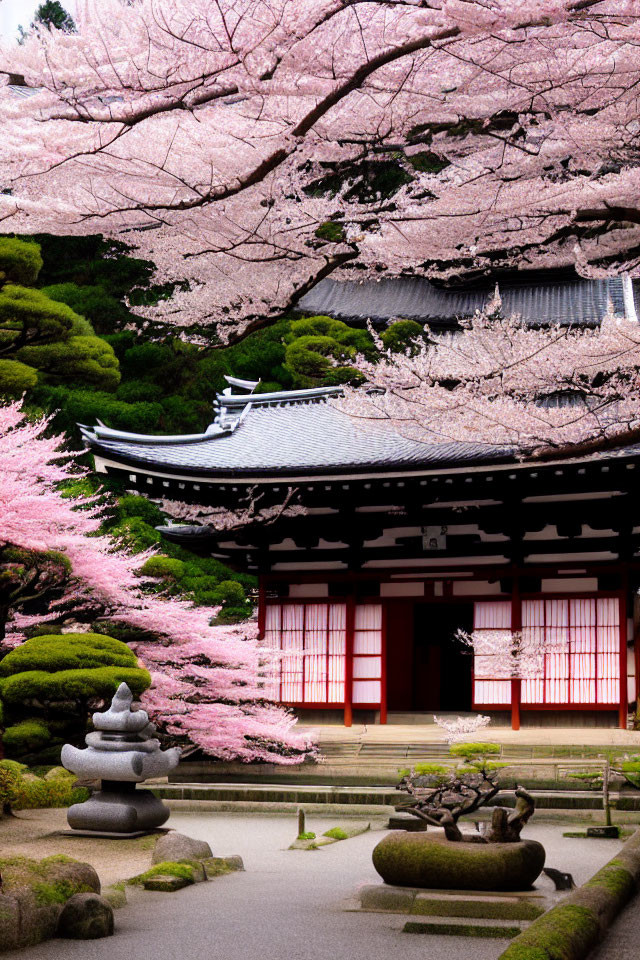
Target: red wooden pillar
516	682
624	693
262	607
348	661
383	666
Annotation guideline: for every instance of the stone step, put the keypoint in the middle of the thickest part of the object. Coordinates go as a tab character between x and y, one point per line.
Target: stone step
478	906
369	795
518	906
485	929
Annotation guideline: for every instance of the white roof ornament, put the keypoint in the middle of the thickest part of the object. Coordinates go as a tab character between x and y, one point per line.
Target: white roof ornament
243	384
629	301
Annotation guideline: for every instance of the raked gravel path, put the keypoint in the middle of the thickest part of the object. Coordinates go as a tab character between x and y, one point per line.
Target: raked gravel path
289	905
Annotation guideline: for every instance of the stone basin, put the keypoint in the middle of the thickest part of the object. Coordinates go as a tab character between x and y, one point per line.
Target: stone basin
421	860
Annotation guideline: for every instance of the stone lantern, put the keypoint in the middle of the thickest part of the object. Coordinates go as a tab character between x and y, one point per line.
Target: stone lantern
121	752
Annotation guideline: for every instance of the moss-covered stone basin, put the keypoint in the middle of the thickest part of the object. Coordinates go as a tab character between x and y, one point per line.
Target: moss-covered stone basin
419	860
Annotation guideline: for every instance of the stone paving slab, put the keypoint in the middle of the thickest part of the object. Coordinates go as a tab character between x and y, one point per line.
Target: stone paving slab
519	905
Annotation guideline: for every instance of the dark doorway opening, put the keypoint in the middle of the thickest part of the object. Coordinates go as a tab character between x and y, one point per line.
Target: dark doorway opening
441	664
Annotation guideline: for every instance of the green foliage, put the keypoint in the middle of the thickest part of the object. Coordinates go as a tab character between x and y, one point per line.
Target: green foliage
631	771
314	345
71	685
471	751
170	868
14	767
428	162
336	833
362	181
8	781
165	568
25	737
52	15
69	651
131	505
81	359
16	378
401	336
331	231
230	592
105	312
50	684
431	769
20	261
28	317
309	835
39	794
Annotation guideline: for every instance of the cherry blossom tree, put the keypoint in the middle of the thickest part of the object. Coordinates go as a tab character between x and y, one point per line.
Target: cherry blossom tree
207	684
255	148
516	388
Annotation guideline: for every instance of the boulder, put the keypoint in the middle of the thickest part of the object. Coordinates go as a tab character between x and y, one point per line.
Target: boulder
407	859
218	866
86	916
33	895
176	846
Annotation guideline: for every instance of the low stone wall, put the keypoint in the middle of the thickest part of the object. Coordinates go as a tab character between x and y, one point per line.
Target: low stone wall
573	928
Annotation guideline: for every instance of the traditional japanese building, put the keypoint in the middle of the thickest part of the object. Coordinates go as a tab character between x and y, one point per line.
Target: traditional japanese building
403	543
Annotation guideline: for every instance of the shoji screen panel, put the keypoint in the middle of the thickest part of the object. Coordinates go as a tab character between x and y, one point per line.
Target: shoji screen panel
579	640
491	672
311	638
367	654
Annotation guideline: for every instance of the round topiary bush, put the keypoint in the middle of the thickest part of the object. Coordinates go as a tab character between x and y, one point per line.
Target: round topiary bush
50	685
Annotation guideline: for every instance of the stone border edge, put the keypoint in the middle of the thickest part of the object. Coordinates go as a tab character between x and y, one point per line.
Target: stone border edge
573	928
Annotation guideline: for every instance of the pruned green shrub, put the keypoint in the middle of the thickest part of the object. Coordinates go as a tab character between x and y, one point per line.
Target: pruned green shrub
16	378
50	685
25	737
38	794
20	261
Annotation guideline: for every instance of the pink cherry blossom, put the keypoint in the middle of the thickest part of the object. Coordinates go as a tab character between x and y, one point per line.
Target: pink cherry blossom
207	681
191	130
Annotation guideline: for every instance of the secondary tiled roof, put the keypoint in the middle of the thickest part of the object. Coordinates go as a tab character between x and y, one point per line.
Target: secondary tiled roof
577	301
280	434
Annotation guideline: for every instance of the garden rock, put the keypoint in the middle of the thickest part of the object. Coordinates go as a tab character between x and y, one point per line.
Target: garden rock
176	846
165	883
86	916
33	895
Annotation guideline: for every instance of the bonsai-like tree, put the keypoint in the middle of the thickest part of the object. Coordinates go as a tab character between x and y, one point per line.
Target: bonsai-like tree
441	796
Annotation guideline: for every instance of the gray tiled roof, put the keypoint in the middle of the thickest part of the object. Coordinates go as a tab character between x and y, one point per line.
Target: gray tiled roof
279	434
414	298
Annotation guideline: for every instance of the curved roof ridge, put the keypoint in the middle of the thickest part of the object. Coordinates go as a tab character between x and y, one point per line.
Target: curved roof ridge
233	401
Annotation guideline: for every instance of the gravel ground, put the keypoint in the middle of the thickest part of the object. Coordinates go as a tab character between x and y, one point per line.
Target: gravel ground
289	904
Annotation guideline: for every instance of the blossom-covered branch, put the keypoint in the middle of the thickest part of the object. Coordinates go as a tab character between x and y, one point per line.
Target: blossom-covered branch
252	149
509	385
207	681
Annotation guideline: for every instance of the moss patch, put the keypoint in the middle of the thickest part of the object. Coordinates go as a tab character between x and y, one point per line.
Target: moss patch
462	930
567	932
494	909
217	867
336	833
615	879
169	868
